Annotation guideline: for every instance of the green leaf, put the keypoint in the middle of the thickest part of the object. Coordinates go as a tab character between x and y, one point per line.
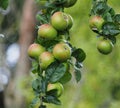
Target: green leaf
42	106
117	18
51	99
67	77
35	67
110	29
34	102
77	74
4	4
113	39
79	54
56	71
39	85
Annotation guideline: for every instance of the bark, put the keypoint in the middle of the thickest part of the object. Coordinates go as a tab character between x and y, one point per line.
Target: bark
26	32
26	38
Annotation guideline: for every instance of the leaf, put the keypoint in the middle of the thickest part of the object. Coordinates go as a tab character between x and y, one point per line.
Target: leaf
79	54
77	74
35	67
67	77
34	102
42	106
52	92
39	85
113	39
4	4
51	99
56	71
117	18
110	29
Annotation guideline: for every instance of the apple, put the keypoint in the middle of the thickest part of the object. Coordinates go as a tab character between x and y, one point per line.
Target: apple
62	51
70	21
56	86
46	31
69	3
45	59
105	46
59	21
96	22
35	50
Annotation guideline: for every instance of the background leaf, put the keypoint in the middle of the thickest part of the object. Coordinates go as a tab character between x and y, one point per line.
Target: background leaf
4	4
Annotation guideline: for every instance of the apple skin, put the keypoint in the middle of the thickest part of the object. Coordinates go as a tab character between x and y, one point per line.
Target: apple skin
45	59
35	50
70	21
96	22
46	31
105	46
62	51
69	3
58	86
59	21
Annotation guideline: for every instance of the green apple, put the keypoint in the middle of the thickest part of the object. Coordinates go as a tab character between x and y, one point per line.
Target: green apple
62	51
56	86
45	59
59	21
96	22
46	31
105	46
35	50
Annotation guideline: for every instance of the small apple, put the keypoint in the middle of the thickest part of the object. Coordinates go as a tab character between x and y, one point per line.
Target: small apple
45	59
59	21
62	51
96	22
46	31
35	50
56	86
105	46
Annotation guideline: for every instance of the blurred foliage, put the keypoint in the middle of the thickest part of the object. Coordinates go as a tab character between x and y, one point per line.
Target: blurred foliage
99	87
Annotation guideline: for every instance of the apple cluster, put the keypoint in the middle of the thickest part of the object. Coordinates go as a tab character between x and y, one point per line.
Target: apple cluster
96	23
52	52
61	51
105	22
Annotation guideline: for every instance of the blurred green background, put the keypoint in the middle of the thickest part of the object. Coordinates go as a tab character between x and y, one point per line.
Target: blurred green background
100	83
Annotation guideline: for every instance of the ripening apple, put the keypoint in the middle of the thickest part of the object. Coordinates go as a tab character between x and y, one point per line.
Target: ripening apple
62	51
45	59
56	86
59	21
46	31
96	22
35	50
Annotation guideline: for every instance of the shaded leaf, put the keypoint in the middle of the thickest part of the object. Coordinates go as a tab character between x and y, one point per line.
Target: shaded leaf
55	71
51	99
34	102
110	29
79	54
77	74
67	77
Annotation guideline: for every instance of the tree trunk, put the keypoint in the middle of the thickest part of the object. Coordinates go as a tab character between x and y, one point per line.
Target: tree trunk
2	100
26	32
